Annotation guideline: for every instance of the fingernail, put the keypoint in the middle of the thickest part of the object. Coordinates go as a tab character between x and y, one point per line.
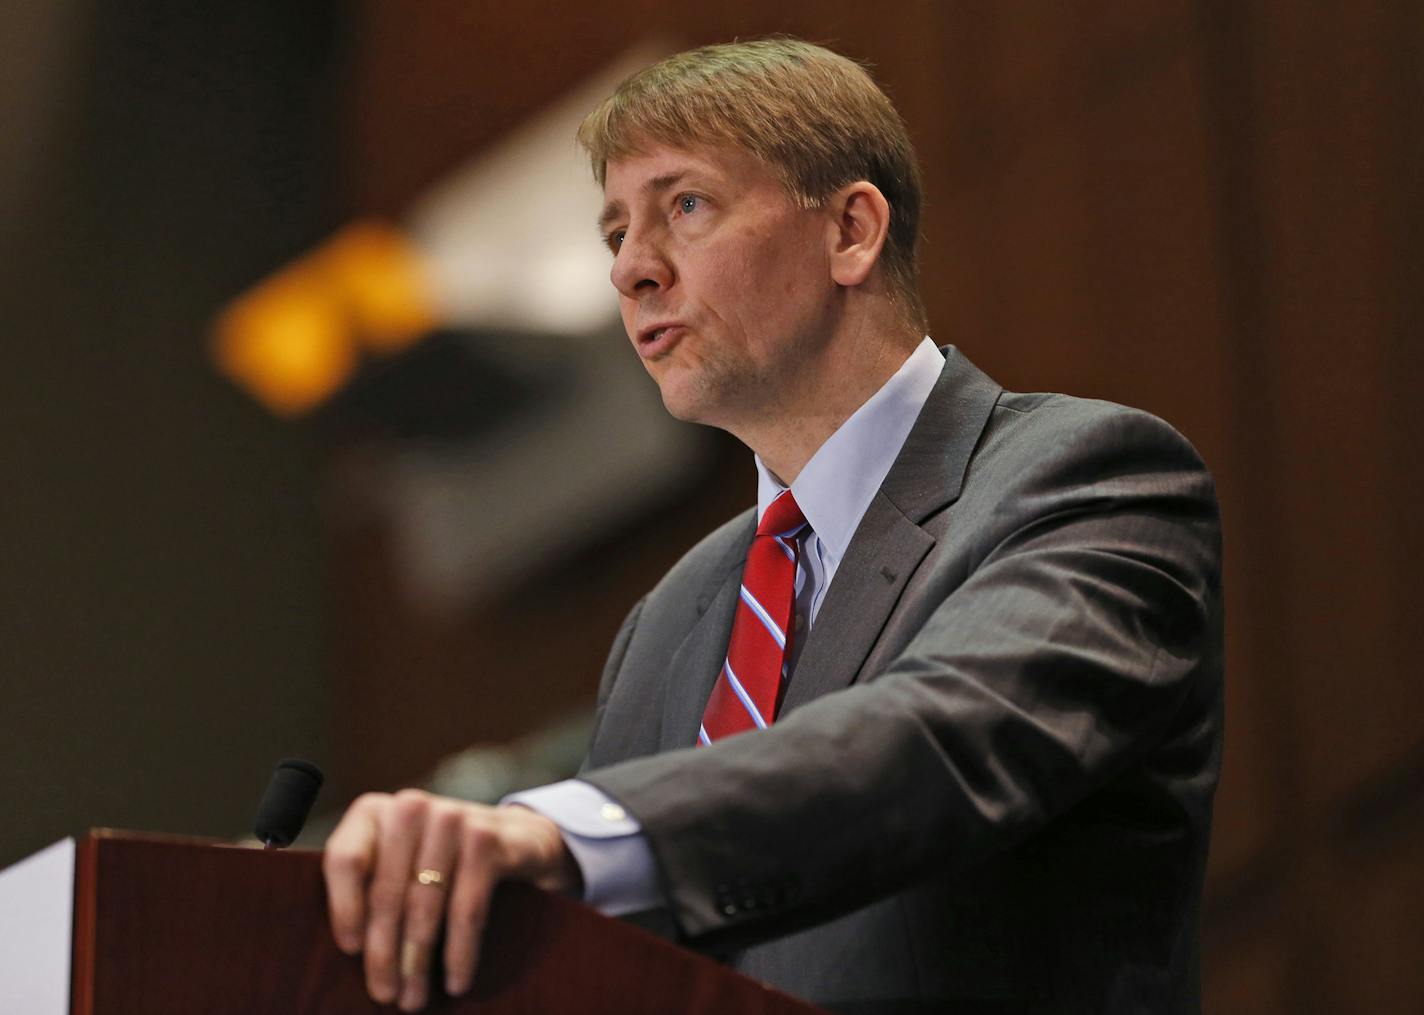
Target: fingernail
454	986
411	999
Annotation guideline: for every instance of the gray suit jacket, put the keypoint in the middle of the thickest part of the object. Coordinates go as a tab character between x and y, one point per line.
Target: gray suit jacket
990	785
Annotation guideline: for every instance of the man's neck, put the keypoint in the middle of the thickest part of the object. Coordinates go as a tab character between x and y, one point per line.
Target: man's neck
824	396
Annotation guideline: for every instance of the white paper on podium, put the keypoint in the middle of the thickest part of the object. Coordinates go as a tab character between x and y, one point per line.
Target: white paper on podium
36	913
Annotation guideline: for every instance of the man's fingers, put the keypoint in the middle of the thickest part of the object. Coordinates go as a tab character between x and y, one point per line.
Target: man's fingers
379	905
434	870
469	906
505	842
346	863
401	824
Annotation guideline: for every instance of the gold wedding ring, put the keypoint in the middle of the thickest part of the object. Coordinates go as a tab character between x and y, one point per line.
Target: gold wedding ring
431	876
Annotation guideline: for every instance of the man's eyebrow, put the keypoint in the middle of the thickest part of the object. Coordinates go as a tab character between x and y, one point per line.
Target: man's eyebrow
610	212
663	181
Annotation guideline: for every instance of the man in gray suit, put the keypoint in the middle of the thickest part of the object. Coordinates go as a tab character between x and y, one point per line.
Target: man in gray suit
982	630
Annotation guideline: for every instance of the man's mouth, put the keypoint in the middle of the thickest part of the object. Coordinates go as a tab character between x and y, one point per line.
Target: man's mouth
658	339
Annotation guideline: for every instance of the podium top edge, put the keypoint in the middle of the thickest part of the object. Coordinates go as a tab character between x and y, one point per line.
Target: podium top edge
174	839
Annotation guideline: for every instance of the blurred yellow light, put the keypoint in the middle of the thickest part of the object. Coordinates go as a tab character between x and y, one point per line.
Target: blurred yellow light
293	339
378	272
287	342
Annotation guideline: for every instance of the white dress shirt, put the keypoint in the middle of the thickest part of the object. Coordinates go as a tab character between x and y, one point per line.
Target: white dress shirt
833	491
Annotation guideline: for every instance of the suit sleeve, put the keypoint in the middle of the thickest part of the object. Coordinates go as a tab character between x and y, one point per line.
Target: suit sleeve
1085	618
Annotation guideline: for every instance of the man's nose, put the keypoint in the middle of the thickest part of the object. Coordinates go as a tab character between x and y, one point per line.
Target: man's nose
640	267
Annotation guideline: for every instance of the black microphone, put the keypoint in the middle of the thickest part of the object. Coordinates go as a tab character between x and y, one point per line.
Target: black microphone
287	802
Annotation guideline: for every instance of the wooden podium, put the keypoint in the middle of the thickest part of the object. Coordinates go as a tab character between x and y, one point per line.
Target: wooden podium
167	924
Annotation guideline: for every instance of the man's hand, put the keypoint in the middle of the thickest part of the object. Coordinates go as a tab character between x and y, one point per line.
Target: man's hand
380	907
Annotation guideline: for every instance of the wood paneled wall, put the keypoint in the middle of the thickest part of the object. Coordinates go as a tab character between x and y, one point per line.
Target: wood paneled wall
1214	211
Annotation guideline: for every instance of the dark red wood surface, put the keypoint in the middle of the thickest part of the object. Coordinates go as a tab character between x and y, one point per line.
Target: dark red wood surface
168	924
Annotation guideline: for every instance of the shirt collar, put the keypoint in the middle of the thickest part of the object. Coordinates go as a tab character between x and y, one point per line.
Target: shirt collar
836	486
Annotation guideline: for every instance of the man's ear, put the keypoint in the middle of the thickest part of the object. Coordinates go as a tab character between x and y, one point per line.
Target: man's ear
860	221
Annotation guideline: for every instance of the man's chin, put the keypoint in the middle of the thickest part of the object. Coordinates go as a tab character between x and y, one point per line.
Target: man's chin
698	391
687	402
682	409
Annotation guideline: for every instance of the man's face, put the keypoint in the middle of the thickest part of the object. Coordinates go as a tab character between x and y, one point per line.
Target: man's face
724	283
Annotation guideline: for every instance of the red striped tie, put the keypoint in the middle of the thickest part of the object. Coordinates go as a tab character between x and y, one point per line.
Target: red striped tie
748	688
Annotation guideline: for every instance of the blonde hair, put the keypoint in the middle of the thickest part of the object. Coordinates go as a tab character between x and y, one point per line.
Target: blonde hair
816	118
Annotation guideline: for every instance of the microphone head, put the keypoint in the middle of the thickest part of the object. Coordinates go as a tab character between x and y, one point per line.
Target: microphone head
287	802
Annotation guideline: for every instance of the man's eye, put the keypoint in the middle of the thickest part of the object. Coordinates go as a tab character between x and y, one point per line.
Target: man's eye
615	240
687	203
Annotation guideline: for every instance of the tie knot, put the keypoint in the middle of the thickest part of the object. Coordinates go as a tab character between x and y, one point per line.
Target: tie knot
783	516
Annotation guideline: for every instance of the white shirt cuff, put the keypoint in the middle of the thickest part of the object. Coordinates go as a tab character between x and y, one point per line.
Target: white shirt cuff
619	873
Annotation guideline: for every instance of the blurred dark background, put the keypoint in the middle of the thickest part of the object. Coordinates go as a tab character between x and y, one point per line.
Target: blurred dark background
1211	210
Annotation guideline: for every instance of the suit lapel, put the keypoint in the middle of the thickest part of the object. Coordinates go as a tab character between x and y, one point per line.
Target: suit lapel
878	563
698	660
929	471
889	544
